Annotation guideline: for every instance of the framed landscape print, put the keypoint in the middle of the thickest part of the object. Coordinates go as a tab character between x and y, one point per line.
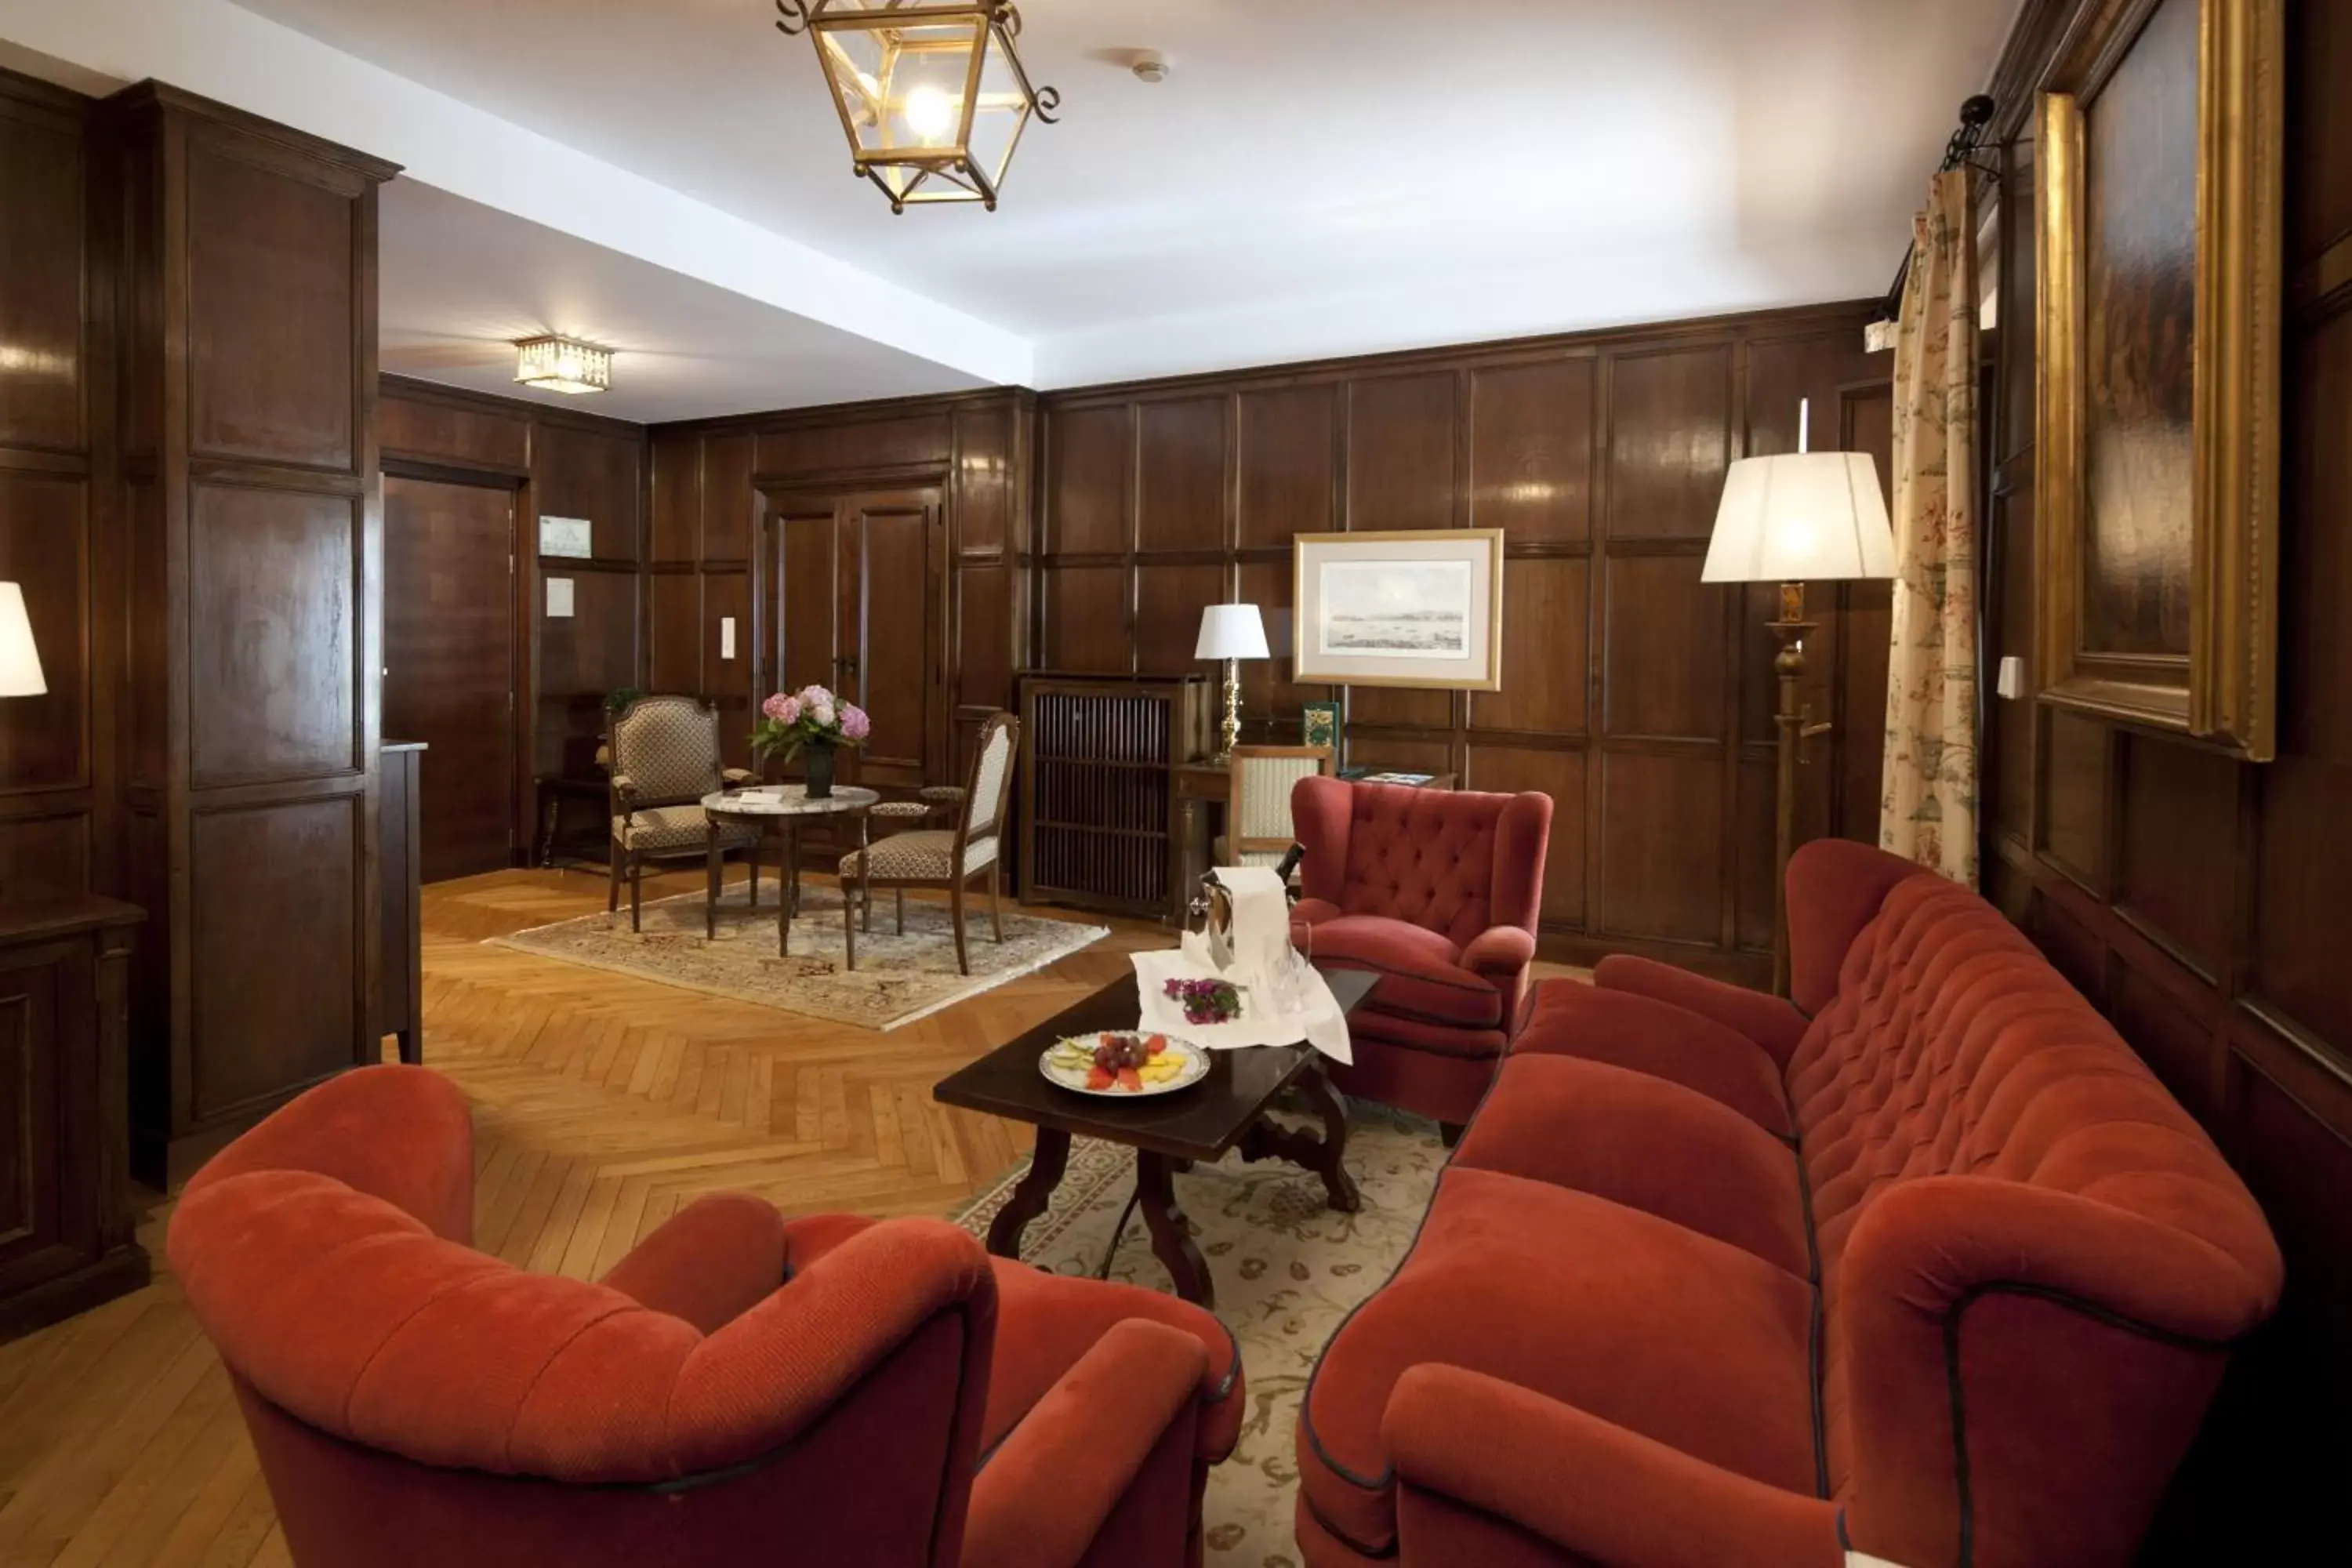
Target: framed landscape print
2159	274
1401	609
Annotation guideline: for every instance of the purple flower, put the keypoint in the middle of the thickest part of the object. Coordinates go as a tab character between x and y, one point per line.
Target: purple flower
853	722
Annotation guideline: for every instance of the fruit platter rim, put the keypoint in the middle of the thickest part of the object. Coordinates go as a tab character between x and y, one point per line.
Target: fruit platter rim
1196	1068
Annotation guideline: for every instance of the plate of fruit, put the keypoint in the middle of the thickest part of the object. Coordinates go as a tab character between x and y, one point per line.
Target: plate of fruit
1123	1062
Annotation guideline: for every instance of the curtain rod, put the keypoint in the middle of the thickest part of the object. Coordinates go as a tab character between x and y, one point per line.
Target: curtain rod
1961	151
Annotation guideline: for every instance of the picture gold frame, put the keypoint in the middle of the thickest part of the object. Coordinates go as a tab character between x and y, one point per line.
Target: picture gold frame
1481	673
2213	676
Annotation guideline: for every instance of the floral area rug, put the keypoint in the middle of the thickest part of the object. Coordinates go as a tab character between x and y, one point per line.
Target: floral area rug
898	979
1287	1270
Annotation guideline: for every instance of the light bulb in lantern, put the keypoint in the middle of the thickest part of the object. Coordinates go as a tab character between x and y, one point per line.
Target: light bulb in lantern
931	113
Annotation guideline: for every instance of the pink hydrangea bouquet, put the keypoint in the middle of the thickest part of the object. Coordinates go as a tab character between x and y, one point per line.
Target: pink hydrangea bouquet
811	717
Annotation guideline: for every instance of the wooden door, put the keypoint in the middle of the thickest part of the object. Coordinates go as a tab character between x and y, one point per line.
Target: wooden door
855	586
448	679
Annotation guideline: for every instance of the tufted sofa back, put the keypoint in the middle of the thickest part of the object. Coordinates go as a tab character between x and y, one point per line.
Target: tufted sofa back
2003	1197
1452	861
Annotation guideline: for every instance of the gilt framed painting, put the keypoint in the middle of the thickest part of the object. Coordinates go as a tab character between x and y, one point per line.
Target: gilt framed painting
2159	274
1420	608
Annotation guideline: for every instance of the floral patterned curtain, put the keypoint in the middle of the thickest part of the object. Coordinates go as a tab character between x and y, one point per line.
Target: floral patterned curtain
1927	808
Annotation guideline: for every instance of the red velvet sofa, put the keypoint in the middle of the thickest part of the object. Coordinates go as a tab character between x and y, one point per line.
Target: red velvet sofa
739	1389
1437	892
1927	1265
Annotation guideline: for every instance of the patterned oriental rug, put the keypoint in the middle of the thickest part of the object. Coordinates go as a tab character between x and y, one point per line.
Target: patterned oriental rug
898	979
1287	1270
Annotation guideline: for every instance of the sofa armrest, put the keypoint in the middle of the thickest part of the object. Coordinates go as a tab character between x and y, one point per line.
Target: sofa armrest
1772	1022
1499	954
1042	1497
1605	1495
709	1263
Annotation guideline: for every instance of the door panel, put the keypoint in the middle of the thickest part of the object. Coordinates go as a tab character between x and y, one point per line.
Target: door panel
805	591
892	651
449	639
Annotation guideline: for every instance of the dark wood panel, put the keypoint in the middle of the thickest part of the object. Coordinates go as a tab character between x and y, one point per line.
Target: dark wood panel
1560	775
804	595
1285	444
1399	754
41	269
275	686
273	894
1168	605
896	647
2319	129
448	665
831	448
2315	550
1401	441
1663	667
594	474
730	505
1085	619
1754	812
1266	686
988	446
271	275
674	633
2180	844
1661	846
1088	485
44	547
592	650
1400	705
45	856
1531	451
1670	429
1545	661
1181	458
675	530
728	680
2299	959
984	622
446	431
2077	782
2008	772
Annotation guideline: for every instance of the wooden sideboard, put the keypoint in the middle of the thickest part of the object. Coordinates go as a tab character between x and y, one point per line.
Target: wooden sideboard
1099	807
65	1142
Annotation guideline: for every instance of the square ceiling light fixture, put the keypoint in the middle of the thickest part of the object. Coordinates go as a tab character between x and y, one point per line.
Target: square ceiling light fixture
932	96
562	364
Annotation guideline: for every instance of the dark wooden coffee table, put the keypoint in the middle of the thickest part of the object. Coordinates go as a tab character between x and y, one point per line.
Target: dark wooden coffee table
1226	1110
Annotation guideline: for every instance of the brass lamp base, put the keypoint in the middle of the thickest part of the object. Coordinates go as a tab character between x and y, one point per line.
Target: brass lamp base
1229	728
1792	719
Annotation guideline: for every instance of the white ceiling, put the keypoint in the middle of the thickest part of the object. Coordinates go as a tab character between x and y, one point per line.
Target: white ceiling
460	282
1317	176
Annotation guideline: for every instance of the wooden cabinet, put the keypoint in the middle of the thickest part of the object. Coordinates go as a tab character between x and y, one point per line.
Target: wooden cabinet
851	586
1101	757
65	1227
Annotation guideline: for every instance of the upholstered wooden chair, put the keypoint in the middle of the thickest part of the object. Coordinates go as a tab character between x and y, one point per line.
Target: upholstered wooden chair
665	759
945	858
1257	802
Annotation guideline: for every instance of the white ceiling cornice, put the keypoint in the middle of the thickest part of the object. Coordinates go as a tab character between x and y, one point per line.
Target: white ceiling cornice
221	51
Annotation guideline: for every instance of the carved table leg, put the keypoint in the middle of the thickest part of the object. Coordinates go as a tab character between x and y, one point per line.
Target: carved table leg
1171	1238
788	889
712	877
1327	1156
1029	1198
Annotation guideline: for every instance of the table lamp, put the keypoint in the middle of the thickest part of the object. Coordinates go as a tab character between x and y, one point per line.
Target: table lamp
20	662
1790	519
1233	633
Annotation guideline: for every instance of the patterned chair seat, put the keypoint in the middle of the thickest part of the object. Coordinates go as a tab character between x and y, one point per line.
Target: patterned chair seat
901	811
915	855
942	794
661	828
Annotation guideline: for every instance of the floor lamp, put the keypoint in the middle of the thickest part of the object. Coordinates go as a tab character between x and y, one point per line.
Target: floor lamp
1791	518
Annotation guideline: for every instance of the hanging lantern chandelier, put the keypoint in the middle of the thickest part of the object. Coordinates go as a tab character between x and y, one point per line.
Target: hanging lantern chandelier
932	96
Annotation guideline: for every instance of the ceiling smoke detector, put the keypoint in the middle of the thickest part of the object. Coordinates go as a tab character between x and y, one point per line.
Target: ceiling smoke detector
1149	65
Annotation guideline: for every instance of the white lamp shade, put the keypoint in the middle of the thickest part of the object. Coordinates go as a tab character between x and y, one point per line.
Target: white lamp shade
1800	517
1231	631
20	662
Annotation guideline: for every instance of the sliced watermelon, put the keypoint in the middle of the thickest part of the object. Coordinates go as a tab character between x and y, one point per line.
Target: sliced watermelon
1099	1080
1156	1044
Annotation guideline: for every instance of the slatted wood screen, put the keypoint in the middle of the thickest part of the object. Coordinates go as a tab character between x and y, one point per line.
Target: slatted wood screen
1099	823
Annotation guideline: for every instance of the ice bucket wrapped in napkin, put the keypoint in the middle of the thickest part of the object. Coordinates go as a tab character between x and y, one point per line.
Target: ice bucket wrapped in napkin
1283	999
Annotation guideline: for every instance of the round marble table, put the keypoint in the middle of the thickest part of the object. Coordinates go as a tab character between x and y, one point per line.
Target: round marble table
782	808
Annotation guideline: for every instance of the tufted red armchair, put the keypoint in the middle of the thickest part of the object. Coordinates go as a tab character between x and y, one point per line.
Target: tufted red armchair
1436	892
741	1388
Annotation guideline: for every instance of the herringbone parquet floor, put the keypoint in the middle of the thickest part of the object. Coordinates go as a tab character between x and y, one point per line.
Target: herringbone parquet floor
602	1102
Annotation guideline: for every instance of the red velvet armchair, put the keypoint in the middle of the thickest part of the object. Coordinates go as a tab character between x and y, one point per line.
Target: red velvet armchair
741	1389
1437	892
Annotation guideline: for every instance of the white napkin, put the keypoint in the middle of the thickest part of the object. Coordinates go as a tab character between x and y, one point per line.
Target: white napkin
1284	1000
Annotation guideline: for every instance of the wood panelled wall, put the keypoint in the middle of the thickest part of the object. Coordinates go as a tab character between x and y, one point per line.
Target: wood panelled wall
561	463
2202	901
1640	699
712	481
57	393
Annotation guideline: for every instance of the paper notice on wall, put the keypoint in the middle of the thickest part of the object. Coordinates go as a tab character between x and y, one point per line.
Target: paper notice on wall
559	598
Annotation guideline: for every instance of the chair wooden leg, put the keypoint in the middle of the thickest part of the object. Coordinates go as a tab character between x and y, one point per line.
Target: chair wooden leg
613	853
848	925
755	877
900	894
996	901
955	900
636	890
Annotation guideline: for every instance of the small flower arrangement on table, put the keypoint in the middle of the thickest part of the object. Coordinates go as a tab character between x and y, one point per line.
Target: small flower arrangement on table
1205	1001
812	720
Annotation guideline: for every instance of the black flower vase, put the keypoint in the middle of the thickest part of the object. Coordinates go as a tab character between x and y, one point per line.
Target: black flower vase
820	770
